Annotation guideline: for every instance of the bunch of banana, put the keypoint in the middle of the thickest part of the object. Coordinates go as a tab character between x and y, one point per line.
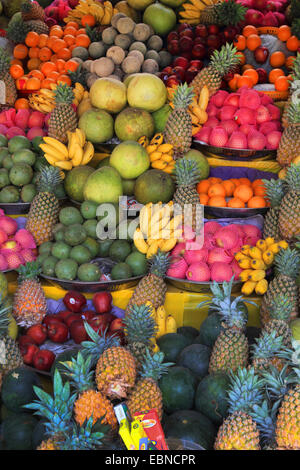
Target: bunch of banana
192	11
102	12
158	229
43	101
79	93
160	154
165	323
78	152
197	109
255	261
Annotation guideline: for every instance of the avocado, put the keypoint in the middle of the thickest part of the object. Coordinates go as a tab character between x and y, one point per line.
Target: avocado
3	153
20	174
3	140
93	246
24	156
70	216
89	272
90	227
45	247
17	143
81	254
4	179
59	235
9	194
48	266
75	235
138	263
104	246
121	271
89	209
119	250
7	162
41	258
28	192
60	250
66	269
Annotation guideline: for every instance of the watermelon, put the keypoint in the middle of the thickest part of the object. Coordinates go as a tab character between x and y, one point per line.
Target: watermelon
196	358
210	329
178	389
189	332
172	344
211	396
17	388
17	432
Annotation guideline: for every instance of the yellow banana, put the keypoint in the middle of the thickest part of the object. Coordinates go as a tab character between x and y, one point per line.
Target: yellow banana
77	159
159	165
106	17
164	148
190	6
262	245
171	326
245	249
157	139
53	152
161	321
152	309
274	248
154	156
57	144
196	129
258	264
198	4
169	169
244	263
64	165
283	244
71	145
88	153
145	218
139	242
143	141
50	159
204	97
244	275
268	257
168	245
261	287
257	275
255	253
269	241
47	93
80	136
167	158
151	148
200	113
46	108
190	14
152	250
191	21
248	287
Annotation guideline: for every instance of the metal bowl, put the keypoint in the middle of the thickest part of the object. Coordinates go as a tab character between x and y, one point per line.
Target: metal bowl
224	212
20	208
234	154
193	286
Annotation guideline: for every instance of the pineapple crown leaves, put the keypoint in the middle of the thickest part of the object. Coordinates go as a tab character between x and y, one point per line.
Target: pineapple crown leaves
98	344
4	60
82	437
293	111
245	389
225	59
63	94
265	418
296	27
159	263
140	325
58	409
267	345
229	12
4	320
17	30
80	76
49	179
187	172
287	262
292	357
79	372
153	366
183	96
274	191
277	383
295	9
93	33
280	308
29	270
292	178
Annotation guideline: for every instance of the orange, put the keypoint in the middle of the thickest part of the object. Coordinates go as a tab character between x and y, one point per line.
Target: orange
203	199
257	182
256	201
80	31
217	201
214	180
33	83
73	24
243	192
32	39
54	75
292	43
284	32
242	57
45	54
33	64
249	29
235	203
16	71
43	38
216	190
275	73
54	58
253	41
247	67
70	31
281	84
16	61
21	83
236	181
64	79
20	51
251	73
245	181
233	82
58	44
50	41
69	40
277	59
203	186
47	82
82	40
37	74
48	67
64	53
289	63
229	187
245	80
259	190
33	52
88	20
71	66
56	31
60	65
240	42
21	103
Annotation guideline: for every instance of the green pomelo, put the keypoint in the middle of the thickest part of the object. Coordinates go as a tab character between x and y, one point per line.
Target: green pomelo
130	159
119	250
3	140
103	185
70	215
24	156
133	123
60	250
138	263
88	209
66	269
295	327
201	160
75	235
128	187
172	3
160	117
89	272
109	94
146	91
9	194
104	246
59	191
4	179
3	153
17	143
45	247
20	174
36	142
81	254
93	246
28	192
160	17
98	125
154	186
7	162
121	271
139	4
48	266
90	226
75	181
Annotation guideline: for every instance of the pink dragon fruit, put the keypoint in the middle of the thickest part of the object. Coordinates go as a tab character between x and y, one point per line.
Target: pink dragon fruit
236	269
178	268
10	247
219	255
209	241
178	250
3	236
211	227
226	238
195	256
220	272
251	230
25	239
198	272
13	260
3	263
8	224
28	255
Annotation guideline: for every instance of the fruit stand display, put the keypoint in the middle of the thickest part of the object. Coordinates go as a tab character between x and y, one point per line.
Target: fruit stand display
149	225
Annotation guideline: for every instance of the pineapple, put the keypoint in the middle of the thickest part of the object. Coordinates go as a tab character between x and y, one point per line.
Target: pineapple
223	13
44	209
30	305
280	311
221	63
289	213
79	76
265	351
10	356
289	143
32	11
275	193
10	94
288	420
116	372
230	350
63	118
99	342
90	402
152	287
140	329
287	265
178	129
146	394
17	30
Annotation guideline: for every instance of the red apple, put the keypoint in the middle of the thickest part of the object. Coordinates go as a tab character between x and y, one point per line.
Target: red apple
262	75
28	351
78	332
259	4
38	333
102	302
108	317
172	35
186	32
25	339
180	62
173	47
229	33
185	43
200	41
48	319
74	301
99	323
87	315
116	325
58	332
183	26
187	55
62	315
43	359
213	29
172	81
196	63
271	6
179	72
167	70
201	31
213	41
261	54
191	73
73	317
199	51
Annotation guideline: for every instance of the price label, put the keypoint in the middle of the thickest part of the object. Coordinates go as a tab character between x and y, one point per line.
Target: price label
2	92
